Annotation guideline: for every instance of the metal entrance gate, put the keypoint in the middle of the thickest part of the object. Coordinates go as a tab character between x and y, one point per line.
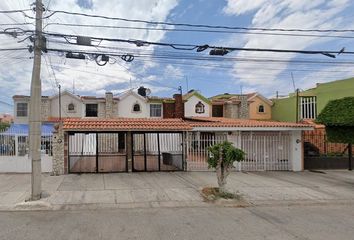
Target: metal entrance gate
157	152
97	152
265	151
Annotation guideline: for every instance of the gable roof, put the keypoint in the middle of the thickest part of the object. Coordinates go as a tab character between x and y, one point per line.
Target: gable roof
65	92
196	94
251	96
131	92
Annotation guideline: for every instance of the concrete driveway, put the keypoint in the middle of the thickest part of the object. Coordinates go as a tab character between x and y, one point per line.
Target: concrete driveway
179	188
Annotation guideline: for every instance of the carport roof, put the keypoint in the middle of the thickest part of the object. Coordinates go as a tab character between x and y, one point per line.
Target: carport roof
219	122
126	124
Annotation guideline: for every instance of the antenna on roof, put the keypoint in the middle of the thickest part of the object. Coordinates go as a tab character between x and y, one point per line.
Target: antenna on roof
187	87
292	78
73	86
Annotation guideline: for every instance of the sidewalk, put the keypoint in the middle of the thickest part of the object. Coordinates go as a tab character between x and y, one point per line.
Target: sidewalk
175	189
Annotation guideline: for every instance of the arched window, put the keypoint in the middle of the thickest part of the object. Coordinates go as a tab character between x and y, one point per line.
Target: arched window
199	107
71	107
261	109
136	107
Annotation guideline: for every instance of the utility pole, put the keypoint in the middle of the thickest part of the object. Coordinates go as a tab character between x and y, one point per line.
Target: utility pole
35	108
297	105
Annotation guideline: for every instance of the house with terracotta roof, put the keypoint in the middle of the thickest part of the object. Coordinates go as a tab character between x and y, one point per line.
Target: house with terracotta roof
137	132
245	106
6	118
92	145
196	105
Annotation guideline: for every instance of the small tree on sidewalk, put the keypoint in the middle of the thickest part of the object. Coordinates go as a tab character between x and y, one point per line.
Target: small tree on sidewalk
222	157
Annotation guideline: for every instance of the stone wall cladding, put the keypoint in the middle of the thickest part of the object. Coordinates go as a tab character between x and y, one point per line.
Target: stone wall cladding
45	109
109	105
101	110
244	108
231	110
58	150
115	109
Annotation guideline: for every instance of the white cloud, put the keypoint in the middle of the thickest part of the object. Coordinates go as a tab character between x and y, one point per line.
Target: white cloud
242	6
89	78
317	14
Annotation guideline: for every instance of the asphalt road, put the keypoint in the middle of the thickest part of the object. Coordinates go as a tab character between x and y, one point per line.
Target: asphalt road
296	222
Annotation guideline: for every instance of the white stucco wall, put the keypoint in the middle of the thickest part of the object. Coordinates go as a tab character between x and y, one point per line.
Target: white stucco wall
125	107
296	152
189	108
17	164
65	101
20	120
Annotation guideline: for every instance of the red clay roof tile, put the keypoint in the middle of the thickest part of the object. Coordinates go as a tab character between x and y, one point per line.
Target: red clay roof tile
124	124
228	122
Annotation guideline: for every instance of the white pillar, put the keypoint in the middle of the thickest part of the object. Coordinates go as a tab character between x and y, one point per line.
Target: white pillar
16	145
296	156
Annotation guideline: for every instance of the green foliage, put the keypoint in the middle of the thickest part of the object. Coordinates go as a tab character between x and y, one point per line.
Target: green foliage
338	117
340	134
4	126
230	154
339	112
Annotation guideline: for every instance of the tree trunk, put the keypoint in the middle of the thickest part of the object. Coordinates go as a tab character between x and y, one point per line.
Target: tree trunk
222	172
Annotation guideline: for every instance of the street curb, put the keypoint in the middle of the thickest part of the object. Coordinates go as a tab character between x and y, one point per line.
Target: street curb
46	206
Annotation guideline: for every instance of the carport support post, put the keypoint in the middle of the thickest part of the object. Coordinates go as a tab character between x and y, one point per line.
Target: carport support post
129	141
296	160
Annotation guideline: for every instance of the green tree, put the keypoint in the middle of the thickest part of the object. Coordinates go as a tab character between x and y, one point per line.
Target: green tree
3	126
222	157
338	117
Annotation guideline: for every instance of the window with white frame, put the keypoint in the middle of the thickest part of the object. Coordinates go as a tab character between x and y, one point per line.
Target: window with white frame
199	107
308	107
155	110
22	110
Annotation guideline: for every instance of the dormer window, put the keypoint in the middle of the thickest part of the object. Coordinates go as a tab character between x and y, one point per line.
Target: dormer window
136	107
71	107
261	109
199	108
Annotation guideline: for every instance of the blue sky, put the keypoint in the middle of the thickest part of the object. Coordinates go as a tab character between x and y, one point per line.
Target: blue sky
164	76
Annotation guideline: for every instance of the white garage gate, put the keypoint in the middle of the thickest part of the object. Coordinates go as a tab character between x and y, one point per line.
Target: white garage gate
265	151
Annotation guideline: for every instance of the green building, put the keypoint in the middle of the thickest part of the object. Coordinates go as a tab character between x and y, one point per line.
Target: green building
311	101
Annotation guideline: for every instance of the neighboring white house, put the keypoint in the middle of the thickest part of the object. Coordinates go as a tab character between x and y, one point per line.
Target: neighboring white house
128	105
195	105
71	105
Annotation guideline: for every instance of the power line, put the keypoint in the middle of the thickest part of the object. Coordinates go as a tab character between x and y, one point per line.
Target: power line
195	30
196	25
23	11
5	103
13	49
216	50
